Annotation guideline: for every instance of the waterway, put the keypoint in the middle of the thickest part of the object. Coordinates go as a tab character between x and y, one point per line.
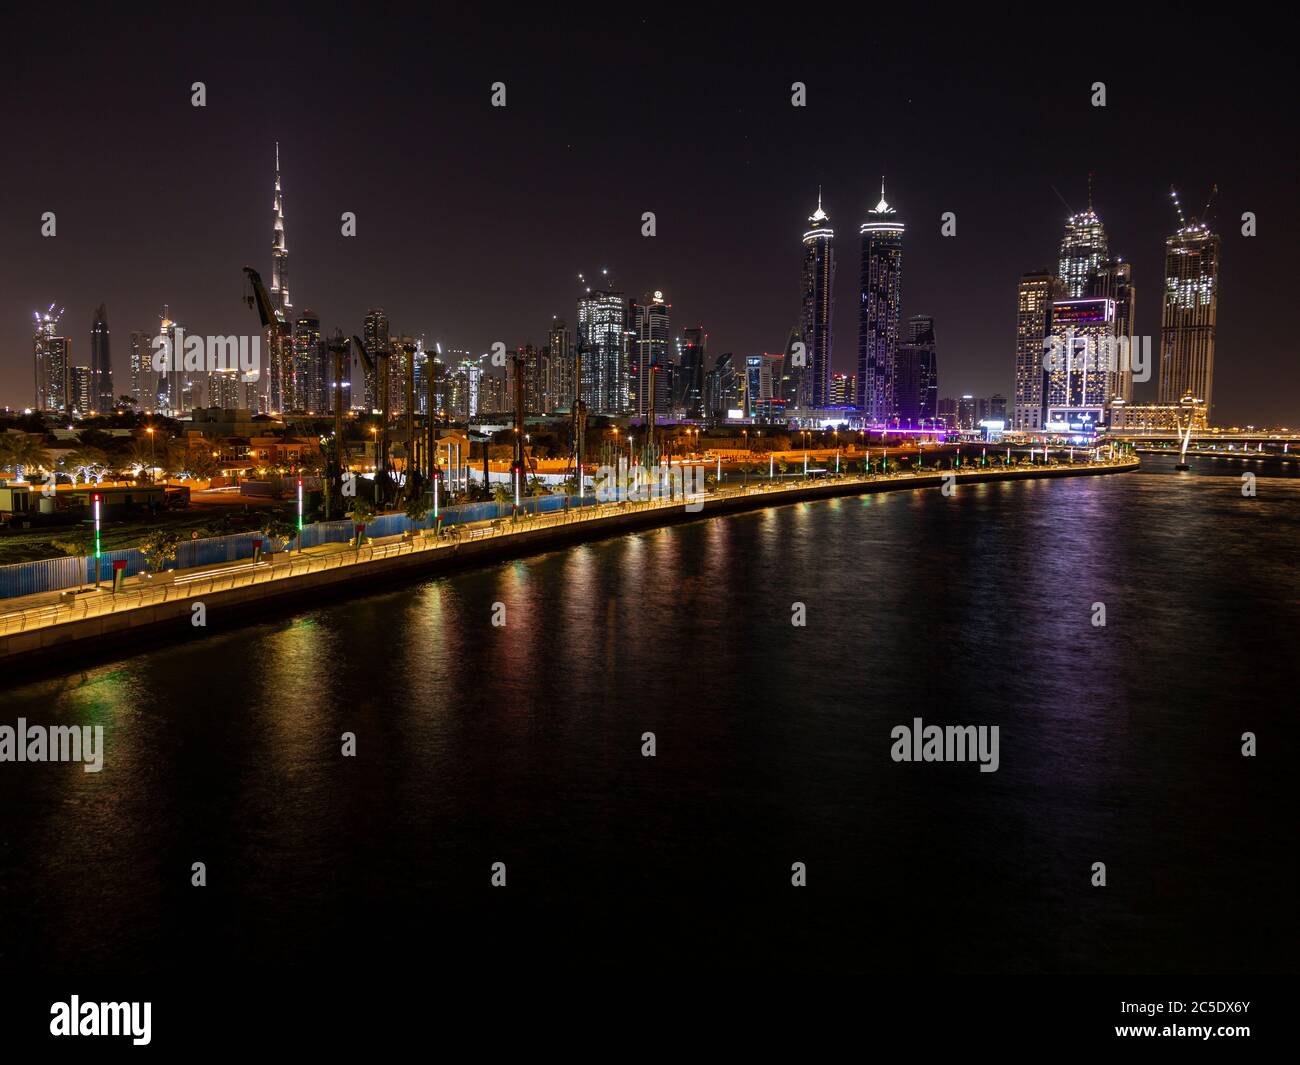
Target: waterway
522	743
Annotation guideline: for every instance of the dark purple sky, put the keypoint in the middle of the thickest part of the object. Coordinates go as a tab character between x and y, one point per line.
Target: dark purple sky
473	221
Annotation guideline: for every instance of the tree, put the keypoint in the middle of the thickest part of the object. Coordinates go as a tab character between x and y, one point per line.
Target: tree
417	508
202	465
19	453
90	462
501	493
279	531
362	511
159	547
76	543
537	487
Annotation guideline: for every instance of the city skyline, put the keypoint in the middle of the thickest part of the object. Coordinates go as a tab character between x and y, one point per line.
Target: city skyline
476	257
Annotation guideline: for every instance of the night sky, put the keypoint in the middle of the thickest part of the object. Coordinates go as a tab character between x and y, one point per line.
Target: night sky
473	222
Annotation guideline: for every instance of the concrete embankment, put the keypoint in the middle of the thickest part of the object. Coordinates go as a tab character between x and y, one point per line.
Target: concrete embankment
241	593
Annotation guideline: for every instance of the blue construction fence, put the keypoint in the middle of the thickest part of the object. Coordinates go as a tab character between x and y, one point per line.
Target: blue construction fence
53	574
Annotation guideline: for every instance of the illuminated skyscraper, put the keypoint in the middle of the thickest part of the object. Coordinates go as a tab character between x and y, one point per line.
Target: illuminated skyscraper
144	383
374	334
1083	250
602	330
279	338
305	385
880	304
693	347
1034	301
279	250
650	320
816	321
559	366
1113	280
1187	321
52	355
101	364
916	375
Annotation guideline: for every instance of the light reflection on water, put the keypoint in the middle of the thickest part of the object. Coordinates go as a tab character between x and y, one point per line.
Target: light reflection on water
477	741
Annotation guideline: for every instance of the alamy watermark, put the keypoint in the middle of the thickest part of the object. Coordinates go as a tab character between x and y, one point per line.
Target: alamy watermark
59	743
1070	353
946	743
642	484
178	353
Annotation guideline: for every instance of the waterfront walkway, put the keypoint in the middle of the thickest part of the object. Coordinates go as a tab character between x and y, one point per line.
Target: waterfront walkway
34	615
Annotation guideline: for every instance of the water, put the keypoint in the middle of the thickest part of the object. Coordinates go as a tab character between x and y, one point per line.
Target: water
522	744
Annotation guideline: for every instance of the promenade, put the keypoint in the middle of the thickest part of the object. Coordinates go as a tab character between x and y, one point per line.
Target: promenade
246	588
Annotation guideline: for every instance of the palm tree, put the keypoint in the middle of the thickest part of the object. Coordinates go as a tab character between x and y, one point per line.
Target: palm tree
19	452
90	462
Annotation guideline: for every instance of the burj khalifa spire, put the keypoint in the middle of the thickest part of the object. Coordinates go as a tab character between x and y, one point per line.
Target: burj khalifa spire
279	252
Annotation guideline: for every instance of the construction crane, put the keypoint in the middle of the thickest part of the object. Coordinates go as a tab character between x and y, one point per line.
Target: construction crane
576	448
376	365
258	298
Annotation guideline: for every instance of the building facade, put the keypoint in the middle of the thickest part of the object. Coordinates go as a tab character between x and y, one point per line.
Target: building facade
880	305
813	378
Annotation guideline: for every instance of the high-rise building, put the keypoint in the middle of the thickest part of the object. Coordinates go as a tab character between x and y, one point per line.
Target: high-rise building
559	367
948	413
1187	320
1034	299
650	321
279	337
305	386
101	363
374	334
279	249
225	389
1083	250
603	332
82	390
1113	280
144	382
723	387
1078	382
817	318
688	397
52	356
916	375
880	304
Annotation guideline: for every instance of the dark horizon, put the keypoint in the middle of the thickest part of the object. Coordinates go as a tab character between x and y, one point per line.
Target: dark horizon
473	222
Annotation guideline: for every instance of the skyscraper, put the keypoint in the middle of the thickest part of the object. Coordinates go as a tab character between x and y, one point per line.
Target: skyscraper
1083	250
374	334
52	356
602	330
306	382
1034	300
101	363
1078	382
916	375
1113	280
279	340
816	320
559	366
1187	320
144	382
689	385
650	320
880	304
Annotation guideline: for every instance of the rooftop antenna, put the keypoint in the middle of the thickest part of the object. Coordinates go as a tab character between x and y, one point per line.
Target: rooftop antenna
1173	195
1091	175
